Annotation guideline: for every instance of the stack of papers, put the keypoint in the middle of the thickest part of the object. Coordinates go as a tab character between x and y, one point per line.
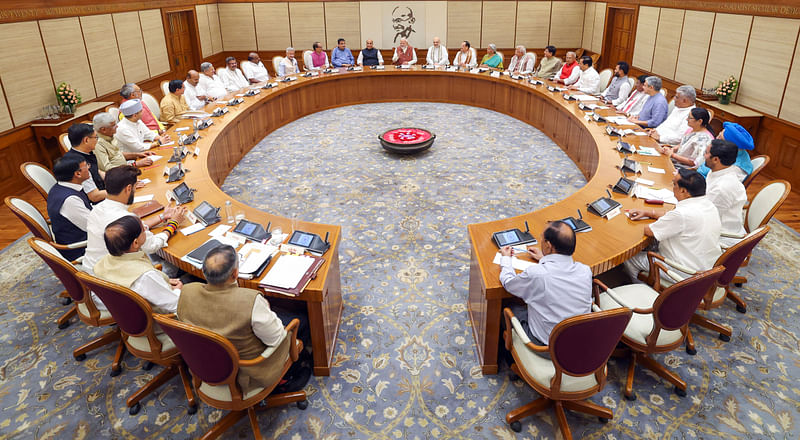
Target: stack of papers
647	151
619	120
585	97
664	194
288	271
516	263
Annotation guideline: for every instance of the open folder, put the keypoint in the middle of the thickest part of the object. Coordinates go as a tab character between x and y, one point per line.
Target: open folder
290	274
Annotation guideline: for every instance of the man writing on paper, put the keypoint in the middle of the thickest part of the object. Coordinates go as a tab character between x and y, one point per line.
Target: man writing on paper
687	235
244	317
554	289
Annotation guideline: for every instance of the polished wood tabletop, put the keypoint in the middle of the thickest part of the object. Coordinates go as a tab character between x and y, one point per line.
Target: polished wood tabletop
231	136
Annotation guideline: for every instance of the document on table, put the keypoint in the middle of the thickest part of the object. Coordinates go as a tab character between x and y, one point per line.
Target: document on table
288	271
155	157
664	194
143	198
656	170
516	263
647	151
585	97
189	230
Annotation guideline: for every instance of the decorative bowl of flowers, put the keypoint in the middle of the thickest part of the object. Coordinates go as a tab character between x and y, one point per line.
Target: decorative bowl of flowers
726	89
68	98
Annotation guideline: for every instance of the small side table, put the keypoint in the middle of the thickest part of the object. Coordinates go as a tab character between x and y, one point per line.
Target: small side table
749	119
44	129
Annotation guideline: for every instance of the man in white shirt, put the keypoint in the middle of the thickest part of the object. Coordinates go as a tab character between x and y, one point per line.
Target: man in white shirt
194	100
437	54
127	265
554	289
570	71
687	235
589	81
210	85
68	207
370	56
288	65
466	57
725	190
121	186
633	105
617	92
254	69
404	54
673	128
232	76
522	61
132	135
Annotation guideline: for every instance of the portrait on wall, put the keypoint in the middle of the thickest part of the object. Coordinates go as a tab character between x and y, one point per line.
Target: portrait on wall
403	20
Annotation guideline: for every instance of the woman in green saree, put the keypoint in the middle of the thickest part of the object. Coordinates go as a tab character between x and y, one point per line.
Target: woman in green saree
492	59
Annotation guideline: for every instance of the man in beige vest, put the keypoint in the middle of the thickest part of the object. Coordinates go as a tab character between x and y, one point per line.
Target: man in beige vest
242	315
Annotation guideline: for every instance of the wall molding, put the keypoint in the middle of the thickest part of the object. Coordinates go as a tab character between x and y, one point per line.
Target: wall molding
784	8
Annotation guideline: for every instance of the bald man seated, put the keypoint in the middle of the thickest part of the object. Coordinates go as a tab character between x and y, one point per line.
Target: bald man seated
554	289
254	69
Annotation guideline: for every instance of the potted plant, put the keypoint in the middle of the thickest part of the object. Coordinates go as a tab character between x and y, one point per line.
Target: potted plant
68	98
726	89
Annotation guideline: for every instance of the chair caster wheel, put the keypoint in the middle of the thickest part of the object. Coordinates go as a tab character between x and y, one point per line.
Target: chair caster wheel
191	410
737	284
80	357
134	409
725	338
631	398
741	309
302	404
516	426
602	420
64	325
679	392
691	351
115	373
147	366
66	301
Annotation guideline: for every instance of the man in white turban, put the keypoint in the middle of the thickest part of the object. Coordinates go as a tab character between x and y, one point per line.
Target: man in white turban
132	135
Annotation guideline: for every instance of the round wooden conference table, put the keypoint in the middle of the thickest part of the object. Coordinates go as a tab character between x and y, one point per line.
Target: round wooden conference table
223	145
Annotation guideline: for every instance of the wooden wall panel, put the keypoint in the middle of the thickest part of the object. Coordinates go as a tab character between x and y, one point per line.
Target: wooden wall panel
131	46
771	42
155	43
561	34
533	24
5	116
101	47
66	53
497	22
307	23
435	24
373	29
790	111
599	28
23	63
588	24
340	22
693	53
237	26
272	26
463	23
214	27
668	40
645	37
203	29
728	44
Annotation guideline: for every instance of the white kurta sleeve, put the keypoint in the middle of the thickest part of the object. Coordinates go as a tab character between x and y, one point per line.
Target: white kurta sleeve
266	324
624	92
157	291
75	211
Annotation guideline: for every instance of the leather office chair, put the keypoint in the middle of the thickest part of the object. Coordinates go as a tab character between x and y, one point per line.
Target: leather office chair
731	260
64	143
83	305
759	162
660	321
605	79
214	363
33	219
134	318
40	177
579	349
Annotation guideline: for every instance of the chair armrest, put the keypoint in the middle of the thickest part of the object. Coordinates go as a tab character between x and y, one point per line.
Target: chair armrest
252	362
680	267
596	308
739	236
515	324
77	245
622	303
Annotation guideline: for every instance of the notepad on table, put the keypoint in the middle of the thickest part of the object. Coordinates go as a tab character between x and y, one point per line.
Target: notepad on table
516	263
288	271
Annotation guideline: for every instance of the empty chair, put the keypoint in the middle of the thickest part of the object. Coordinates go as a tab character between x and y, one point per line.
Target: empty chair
134	317
605	79
660	322
759	162
152	104
40	177
579	348
64	143
82	305
214	363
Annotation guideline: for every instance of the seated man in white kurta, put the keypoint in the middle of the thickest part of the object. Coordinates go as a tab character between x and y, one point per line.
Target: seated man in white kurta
210	85
522	61
254	69
437	54
674	127
132	135
232	76
288	65
466	57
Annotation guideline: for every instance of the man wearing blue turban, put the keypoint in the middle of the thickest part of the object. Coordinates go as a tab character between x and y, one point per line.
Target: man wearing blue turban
737	134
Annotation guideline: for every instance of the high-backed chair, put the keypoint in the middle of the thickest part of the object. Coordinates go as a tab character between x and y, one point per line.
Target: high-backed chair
152	104
83	305
670	106
660	321
164	88
214	363
134	317
113	110
759	163
595	57
732	259
579	349
502	58
33	219
64	143
276	61
663	91
631	81
40	177
307	62
605	78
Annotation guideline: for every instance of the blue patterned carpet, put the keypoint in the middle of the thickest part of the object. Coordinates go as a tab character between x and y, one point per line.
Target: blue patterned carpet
405	363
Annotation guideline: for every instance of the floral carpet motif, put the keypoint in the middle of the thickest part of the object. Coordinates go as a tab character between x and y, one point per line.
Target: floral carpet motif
405	363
